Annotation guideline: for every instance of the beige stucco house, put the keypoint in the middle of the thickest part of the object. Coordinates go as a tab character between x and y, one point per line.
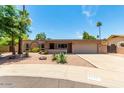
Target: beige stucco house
114	44
68	46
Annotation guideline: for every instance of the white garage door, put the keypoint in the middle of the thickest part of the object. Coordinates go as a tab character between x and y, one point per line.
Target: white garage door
84	48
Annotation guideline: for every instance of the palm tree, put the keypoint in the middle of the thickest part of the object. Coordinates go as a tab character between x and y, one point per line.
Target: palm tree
99	24
24	23
20	39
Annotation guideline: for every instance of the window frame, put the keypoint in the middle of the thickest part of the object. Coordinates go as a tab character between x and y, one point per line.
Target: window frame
62	46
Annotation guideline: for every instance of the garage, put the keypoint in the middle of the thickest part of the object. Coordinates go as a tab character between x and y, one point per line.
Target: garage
86	48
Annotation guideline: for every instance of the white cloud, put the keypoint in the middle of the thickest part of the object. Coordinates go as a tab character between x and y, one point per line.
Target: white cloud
89	12
79	35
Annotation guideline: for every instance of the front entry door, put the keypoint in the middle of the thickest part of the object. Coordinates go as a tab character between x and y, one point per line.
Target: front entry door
69	50
113	48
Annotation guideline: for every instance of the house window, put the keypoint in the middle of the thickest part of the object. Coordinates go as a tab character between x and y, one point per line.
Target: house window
62	45
51	45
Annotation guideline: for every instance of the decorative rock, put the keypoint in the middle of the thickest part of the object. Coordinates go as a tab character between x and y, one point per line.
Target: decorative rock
43	58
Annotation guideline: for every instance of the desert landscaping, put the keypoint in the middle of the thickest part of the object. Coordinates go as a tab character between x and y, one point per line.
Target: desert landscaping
72	59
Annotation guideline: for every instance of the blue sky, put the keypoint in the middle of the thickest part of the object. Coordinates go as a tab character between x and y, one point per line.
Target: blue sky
69	22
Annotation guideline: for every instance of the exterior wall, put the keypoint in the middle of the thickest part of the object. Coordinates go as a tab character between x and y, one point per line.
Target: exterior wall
7	48
57	50
47	45
32	43
4	49
120	50
116	42
78	46
84	47
102	49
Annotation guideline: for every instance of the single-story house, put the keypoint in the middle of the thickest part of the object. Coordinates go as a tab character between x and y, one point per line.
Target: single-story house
114	44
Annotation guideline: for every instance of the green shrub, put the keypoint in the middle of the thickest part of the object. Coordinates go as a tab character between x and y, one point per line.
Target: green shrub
35	50
54	57
61	58
41	51
45	52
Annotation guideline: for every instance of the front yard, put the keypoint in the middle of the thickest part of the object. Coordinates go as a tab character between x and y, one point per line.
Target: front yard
34	59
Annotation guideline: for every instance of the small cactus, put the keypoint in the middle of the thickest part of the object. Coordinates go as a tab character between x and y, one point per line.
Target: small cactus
61	58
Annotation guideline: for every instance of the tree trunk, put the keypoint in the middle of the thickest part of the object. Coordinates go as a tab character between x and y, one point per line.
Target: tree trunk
20	39
20	46
99	33
13	45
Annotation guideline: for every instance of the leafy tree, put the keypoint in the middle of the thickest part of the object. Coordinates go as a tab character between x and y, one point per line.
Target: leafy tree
40	36
99	24
92	37
14	24
25	37
4	41
86	36
7	40
1	20
8	23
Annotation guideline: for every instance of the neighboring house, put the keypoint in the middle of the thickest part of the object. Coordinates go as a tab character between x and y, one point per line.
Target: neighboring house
114	44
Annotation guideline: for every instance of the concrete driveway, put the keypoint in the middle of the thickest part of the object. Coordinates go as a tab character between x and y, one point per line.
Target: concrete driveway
105	61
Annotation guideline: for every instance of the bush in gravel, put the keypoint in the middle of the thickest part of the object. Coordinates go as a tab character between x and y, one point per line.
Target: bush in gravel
35	50
45	52
61	58
54	57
